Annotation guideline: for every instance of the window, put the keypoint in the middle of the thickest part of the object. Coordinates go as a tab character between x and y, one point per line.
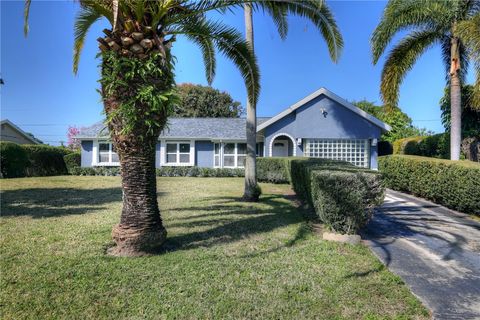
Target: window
107	153
229	155
355	151
178	153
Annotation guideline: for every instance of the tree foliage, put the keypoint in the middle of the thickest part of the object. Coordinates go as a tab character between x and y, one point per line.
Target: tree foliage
430	22
470	115
400	122
205	101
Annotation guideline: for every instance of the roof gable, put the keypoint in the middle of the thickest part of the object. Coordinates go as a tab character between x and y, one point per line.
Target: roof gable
20	131
334	97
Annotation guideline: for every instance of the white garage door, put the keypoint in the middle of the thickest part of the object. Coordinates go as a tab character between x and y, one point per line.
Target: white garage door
355	151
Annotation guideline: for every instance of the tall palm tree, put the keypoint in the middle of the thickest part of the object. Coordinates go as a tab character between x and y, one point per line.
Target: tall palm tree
454	25
137	88
319	14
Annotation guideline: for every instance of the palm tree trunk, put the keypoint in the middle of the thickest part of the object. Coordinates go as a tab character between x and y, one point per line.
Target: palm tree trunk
455	101
140	230
251	192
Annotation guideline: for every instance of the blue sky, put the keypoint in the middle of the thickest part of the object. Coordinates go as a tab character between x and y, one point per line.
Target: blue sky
43	96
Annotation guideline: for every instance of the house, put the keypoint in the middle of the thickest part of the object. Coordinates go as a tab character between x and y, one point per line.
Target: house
321	125
10	132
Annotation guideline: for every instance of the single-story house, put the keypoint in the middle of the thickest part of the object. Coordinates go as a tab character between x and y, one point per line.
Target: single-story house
321	125
11	132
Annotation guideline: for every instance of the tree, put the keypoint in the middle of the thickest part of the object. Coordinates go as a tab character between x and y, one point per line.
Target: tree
470	116
203	101
319	14
138	91
73	143
402	126
452	24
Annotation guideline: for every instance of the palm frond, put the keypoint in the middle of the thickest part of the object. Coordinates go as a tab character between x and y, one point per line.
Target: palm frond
401	59
26	13
230	43
279	16
404	14
208	53
84	20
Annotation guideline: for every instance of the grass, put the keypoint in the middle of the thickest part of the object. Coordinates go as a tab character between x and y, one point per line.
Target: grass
223	258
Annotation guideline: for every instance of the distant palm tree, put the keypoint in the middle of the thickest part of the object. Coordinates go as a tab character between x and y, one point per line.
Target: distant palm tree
137	87
318	13
454	25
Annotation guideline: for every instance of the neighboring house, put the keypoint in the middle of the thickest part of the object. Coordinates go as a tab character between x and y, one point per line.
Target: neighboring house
12	133
321	125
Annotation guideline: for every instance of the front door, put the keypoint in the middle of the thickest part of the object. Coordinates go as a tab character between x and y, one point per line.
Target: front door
280	148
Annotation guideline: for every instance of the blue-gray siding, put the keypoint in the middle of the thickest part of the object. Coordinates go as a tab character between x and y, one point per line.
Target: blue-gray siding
204	154
87	153
157	155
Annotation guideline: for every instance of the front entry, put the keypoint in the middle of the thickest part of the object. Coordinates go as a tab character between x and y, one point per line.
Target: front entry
280	148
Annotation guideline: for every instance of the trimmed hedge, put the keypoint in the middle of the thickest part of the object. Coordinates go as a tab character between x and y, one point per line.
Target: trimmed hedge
273	170
32	160
72	160
13	160
199	172
342	195
95	171
436	146
454	184
45	160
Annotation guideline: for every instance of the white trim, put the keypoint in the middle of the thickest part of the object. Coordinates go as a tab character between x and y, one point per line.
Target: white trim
270	147
95	162
332	96
221	153
163	153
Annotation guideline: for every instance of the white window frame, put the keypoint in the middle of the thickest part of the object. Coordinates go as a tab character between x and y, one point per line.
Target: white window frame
96	153
163	153
349	150
221	154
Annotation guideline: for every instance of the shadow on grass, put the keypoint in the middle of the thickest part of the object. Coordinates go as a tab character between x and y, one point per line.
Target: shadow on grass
56	202
245	219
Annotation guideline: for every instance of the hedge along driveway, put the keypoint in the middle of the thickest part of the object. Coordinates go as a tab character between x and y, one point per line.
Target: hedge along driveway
223	258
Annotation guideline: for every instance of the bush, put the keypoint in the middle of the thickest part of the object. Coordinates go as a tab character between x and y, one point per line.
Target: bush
453	184
342	195
95	171
273	170
199	172
384	148
13	160
72	160
436	146
345	200
45	160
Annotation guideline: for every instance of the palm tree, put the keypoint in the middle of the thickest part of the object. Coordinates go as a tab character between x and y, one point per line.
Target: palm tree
138	91
319	14
454	25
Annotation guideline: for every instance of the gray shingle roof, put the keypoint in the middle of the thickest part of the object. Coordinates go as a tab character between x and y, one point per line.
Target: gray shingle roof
199	128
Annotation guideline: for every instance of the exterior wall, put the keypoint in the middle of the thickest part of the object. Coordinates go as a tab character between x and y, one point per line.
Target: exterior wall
204	154
8	133
86	153
373	157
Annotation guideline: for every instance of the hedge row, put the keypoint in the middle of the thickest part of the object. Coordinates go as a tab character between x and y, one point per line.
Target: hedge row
31	160
454	184
342	195
436	146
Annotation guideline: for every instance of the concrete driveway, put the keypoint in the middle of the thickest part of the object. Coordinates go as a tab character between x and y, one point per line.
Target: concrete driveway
435	250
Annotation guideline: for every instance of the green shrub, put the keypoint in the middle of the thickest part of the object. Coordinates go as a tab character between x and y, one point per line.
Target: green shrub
384	148
199	172
45	160
345	200
436	146
13	160
342	195
273	170
453	184
95	171
72	160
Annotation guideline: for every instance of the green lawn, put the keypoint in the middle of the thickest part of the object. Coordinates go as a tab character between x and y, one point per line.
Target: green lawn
223	258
